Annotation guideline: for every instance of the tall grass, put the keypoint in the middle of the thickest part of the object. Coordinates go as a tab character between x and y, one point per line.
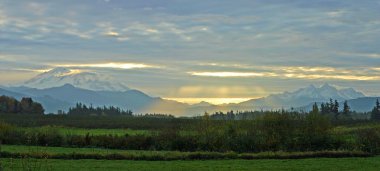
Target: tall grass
183	156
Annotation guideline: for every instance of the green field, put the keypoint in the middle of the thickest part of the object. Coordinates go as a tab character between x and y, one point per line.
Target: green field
83	131
323	164
65	150
39	152
96	131
358	127
274	142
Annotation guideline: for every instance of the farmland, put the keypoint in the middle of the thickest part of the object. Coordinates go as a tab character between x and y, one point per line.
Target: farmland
349	164
84	131
279	141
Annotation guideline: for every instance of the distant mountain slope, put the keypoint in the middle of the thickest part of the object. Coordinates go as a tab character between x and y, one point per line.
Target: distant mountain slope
86	80
67	95
363	104
62	97
11	93
303	97
50	104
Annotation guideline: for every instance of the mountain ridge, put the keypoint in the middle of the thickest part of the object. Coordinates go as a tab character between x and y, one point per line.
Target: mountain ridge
63	94
63	97
303	96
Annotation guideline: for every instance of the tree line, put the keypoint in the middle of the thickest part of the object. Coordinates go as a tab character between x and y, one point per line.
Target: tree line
82	109
330	108
25	106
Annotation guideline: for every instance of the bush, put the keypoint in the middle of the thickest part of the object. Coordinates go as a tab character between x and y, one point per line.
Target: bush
369	140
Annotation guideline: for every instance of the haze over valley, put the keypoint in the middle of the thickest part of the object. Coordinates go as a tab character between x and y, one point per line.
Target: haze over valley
61	88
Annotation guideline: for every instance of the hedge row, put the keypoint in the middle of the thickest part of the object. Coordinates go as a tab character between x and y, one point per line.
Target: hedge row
189	156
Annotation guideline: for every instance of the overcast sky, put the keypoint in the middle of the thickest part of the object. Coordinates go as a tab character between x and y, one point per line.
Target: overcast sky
188	48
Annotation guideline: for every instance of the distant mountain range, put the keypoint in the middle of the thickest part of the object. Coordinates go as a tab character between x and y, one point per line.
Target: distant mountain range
61	88
63	97
303	97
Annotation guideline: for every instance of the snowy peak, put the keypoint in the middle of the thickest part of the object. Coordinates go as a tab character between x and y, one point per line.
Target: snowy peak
202	104
350	93
344	93
323	92
86	80
304	96
58	71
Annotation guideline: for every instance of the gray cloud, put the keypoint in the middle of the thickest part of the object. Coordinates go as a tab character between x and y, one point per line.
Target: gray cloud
245	36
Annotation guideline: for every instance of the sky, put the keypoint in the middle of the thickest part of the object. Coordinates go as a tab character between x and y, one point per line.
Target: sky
189	50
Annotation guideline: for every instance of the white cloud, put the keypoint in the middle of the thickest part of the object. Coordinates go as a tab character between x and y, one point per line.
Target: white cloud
299	72
78	33
112	34
140	29
231	74
33	36
368	55
3	18
36	8
150	30
123	38
115	65
337	13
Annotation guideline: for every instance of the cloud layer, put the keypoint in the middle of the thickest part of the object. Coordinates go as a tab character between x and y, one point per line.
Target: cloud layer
163	47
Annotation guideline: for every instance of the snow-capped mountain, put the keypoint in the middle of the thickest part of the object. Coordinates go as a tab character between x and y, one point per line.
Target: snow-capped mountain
304	96
65	96
324	92
86	80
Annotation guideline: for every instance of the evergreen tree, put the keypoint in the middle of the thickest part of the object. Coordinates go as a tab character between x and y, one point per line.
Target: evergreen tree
82	109
324	108
315	109
375	115
336	109
331	106
346	108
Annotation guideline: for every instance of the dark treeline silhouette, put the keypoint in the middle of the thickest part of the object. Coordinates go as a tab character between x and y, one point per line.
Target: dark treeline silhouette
146	122
236	115
25	106
330	109
375	114
82	109
156	115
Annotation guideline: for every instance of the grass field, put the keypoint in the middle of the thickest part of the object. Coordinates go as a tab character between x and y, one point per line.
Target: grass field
323	164
83	131
38	152
64	150
351	128
23	157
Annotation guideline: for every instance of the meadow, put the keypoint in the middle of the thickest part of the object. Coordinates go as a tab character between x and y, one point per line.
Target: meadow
40	152
322	164
83	131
